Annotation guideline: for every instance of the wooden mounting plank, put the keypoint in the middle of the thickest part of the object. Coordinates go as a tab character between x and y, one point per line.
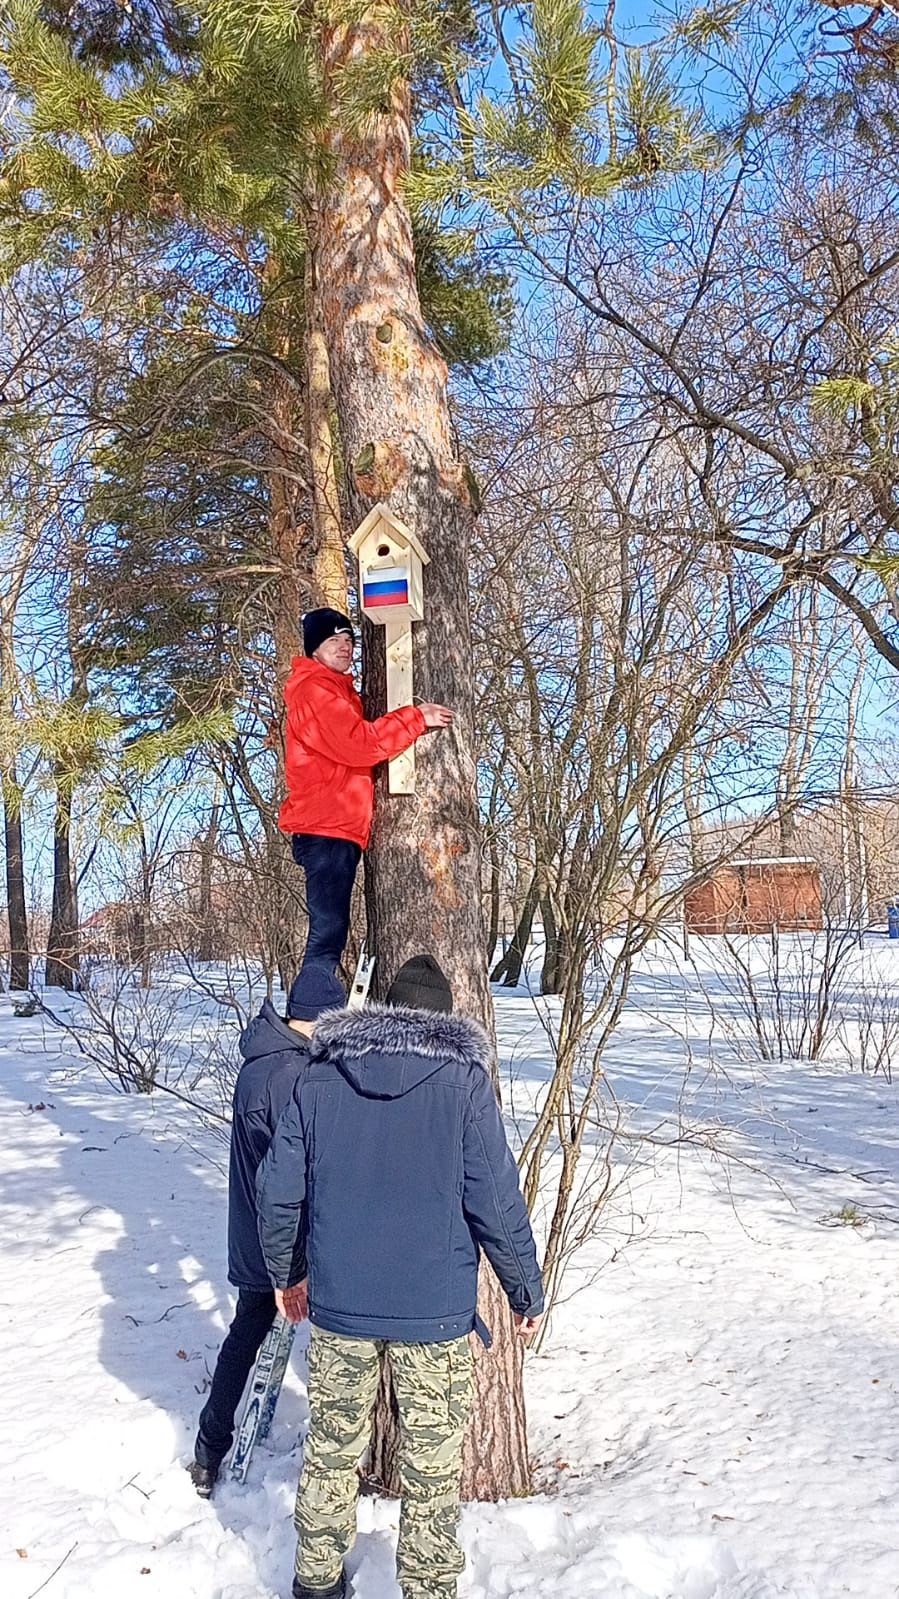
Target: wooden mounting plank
398	644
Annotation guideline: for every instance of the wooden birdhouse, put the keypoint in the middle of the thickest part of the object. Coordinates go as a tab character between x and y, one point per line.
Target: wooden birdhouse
391	592
391	560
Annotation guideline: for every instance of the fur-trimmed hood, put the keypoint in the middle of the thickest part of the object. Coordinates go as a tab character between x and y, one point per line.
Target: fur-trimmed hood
386	1050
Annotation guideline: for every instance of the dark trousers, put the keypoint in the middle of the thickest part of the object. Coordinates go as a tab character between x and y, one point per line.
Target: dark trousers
252	1319
330	865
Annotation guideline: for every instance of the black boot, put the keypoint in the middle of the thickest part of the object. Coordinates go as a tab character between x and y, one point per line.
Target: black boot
337	1590
203	1478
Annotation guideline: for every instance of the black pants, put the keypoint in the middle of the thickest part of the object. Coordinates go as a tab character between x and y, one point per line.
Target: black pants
330	865
252	1319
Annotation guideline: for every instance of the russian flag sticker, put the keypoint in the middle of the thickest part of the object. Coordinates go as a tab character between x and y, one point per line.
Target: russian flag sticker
389	585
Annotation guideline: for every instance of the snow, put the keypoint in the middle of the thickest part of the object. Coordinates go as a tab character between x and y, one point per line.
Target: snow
713	1415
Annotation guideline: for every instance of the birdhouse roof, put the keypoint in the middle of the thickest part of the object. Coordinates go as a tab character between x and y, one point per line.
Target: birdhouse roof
381	514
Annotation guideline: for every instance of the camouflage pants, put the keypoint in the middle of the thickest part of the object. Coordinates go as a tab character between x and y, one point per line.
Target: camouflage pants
433	1384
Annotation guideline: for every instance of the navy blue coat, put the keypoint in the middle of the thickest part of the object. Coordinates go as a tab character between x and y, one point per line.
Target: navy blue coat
273	1056
390	1170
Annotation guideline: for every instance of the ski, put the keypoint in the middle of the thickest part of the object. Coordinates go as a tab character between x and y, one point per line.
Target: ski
259	1412
362	980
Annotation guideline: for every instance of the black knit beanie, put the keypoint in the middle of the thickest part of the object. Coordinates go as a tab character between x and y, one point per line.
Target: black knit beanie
322	624
421	985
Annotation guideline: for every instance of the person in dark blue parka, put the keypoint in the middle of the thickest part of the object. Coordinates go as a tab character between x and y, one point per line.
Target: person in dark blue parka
397	1118
275	1052
388	1175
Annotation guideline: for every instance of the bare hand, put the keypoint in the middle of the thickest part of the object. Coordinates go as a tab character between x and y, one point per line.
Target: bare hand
527	1327
436	715
293	1303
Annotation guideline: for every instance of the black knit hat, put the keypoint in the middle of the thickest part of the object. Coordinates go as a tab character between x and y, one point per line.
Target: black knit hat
322	624
421	985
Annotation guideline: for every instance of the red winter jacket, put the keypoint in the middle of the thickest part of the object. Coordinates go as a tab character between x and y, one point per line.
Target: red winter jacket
331	752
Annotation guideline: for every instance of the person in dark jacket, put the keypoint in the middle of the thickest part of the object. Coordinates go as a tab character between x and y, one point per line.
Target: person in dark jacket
330	755
275	1053
390	1173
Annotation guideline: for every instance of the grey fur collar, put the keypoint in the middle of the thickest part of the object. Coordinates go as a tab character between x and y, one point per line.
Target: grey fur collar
394	1030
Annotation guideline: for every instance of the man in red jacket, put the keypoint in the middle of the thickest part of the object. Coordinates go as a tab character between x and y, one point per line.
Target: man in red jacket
331	753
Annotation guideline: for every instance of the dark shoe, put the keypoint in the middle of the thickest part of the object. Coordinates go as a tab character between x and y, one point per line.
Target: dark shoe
203	1478
337	1590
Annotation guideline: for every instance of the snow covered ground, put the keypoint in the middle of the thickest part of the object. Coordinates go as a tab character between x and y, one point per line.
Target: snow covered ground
713	1417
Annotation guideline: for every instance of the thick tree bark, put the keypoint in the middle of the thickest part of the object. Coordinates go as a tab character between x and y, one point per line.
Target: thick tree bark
423	877
16	912
382	1467
492	1458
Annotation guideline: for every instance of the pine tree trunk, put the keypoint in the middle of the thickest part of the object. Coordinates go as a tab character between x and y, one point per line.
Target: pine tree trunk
289	532
61	969
692	811
786	818
550	976
62	965
382	1468
494	890
143	912
508	970
16	570
16	912
423	869
330	556
286	532
206	943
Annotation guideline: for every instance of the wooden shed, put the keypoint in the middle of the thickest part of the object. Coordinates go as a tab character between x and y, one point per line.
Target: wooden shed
757	896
